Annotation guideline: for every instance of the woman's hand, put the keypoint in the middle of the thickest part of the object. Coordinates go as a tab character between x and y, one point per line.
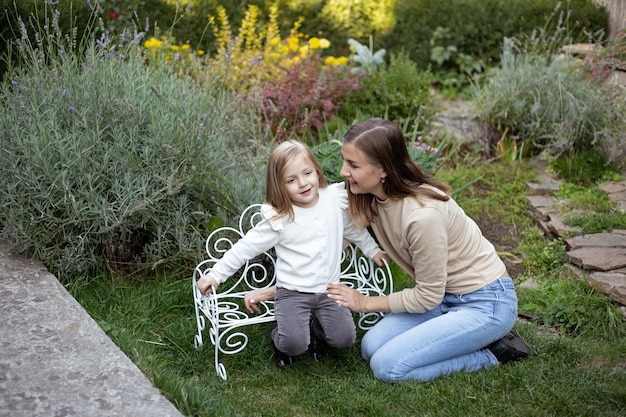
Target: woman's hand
256	296
206	283
347	297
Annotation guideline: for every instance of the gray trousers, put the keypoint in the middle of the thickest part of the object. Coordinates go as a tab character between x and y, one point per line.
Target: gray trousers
293	310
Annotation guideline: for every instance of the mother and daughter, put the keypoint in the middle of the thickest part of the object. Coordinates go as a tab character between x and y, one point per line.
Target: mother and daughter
457	317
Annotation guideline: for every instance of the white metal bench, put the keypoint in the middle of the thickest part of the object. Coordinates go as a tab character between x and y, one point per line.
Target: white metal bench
226	310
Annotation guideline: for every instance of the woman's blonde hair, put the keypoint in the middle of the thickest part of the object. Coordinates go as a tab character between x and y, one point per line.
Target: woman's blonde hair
275	190
384	145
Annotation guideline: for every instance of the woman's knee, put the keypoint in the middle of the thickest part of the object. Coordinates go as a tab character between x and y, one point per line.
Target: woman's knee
382	369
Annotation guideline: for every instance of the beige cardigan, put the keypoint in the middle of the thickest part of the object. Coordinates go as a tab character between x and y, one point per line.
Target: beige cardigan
439	246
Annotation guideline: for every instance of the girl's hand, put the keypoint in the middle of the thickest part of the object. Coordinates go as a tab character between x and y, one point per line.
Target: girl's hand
347	297
254	297
378	258
207	283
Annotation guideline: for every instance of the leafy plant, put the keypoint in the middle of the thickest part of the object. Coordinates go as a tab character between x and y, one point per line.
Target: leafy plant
456	68
585	168
304	97
574	308
397	90
543	258
365	57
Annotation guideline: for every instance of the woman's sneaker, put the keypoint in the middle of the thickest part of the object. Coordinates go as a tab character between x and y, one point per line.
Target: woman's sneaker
282	360
510	348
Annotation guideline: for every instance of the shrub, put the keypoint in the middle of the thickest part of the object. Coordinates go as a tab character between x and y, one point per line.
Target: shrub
305	97
481	35
548	103
107	163
397	90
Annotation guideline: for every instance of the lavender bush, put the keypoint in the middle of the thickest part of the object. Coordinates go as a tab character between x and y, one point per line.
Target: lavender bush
109	163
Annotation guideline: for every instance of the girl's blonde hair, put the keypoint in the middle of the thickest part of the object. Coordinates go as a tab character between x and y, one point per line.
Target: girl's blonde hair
384	145
275	190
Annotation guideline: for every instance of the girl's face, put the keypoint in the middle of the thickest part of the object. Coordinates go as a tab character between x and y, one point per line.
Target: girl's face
301	182
363	176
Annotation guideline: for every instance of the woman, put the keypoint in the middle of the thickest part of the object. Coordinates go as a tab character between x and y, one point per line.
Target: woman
459	314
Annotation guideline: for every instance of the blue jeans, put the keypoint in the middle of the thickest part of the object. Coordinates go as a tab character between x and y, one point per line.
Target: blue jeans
449	338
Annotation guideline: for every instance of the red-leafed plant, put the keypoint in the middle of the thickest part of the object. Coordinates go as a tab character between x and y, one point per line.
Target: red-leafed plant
305	97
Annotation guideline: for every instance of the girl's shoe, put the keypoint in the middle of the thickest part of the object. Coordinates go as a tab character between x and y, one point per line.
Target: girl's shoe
510	348
282	360
316	347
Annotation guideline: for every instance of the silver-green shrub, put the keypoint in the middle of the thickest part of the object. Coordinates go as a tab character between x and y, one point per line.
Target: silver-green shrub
111	162
549	103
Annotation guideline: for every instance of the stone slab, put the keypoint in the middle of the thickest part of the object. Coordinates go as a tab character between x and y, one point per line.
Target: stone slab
611	283
56	361
598	258
613	187
601	240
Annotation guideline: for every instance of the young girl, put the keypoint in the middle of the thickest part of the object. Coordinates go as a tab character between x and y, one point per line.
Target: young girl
459	315
305	220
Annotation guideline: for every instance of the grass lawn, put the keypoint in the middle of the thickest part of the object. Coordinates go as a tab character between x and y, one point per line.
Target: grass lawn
569	374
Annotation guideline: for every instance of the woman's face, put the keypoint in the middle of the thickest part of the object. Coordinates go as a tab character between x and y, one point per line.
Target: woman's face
363	176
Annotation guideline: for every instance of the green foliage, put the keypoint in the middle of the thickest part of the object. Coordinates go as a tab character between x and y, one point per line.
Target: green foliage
585	168
329	156
550	104
477	27
574	308
543	258
365	57
455	69
590	209
107	163
362	18
396	91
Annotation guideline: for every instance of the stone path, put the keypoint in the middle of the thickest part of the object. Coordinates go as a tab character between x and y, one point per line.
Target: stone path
598	258
54	358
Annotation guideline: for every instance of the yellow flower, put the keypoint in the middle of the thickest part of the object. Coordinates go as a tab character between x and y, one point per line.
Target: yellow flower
175	48
293	43
304	51
275	41
186	47
332	61
314	43
153	43
199	52
324	43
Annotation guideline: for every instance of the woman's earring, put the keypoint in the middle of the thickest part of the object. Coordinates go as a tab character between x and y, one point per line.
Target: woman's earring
382	180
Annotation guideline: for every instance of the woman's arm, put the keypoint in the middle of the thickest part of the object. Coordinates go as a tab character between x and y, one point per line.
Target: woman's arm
355	301
262	294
